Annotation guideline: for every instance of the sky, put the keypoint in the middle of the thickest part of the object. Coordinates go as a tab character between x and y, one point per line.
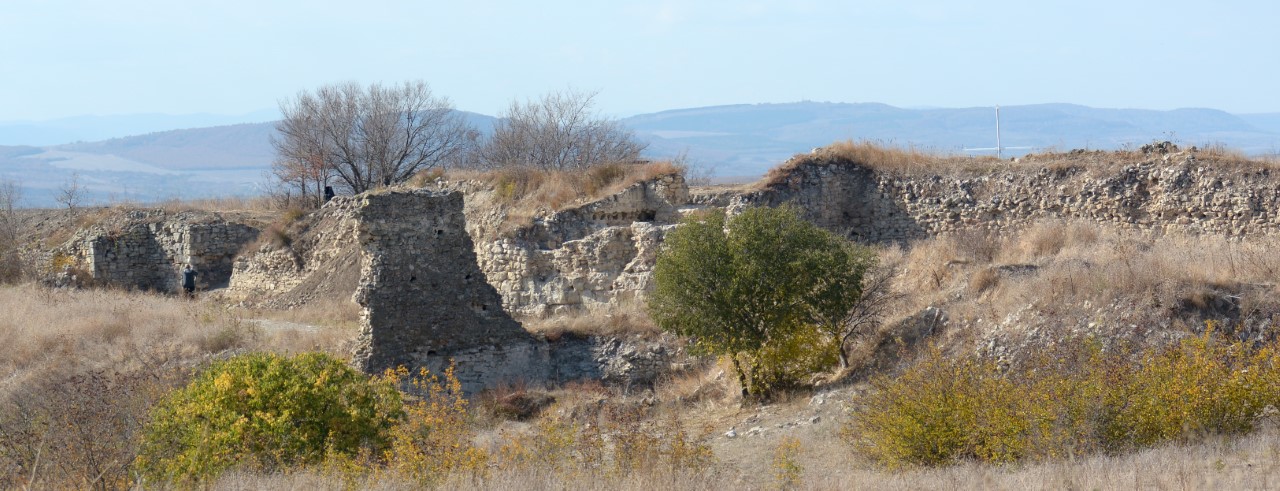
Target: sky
64	58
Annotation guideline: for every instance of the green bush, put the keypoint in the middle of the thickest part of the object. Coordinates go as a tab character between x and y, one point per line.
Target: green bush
788	362
1070	401
267	413
764	288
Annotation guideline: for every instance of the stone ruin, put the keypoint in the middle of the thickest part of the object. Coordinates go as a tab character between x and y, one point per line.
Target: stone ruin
424	300
592	256
147	249
1170	191
434	286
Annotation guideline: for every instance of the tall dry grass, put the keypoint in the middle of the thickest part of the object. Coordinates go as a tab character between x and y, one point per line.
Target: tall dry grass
1251	462
911	160
220	204
624	318
1054	276
523	193
80	369
880	156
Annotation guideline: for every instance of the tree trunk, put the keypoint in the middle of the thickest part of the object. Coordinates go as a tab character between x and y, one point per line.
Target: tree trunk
742	376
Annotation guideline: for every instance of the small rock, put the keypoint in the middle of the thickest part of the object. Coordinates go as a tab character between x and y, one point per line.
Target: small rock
815	420
730	434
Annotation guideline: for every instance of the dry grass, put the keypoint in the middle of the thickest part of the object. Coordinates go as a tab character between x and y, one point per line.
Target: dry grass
68	330
915	161
80	369
228	203
525	479
1249	462
626	318
343	316
706	387
1055	276
62	330
524	193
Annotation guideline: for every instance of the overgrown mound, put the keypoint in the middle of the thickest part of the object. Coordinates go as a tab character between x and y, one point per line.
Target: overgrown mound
301	259
917	161
1009	295
503	202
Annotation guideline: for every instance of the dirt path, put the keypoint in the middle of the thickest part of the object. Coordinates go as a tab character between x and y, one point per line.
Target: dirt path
748	438
270	325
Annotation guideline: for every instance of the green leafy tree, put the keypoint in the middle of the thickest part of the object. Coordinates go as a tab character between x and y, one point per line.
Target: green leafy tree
268	413
752	286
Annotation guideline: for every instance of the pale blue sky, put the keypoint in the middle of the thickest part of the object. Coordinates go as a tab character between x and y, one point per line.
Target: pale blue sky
63	58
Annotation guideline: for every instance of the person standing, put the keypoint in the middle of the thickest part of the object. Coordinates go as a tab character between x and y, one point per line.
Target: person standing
189	280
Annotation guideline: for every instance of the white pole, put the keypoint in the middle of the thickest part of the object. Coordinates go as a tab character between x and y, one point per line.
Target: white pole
998	147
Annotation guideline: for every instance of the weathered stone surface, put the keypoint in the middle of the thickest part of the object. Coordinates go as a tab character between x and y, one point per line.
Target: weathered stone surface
1172	192
426	303
425	300
583	258
147	249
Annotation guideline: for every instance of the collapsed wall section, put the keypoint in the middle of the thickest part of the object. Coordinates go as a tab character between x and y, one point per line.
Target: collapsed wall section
426	302
407	259
148	249
593	256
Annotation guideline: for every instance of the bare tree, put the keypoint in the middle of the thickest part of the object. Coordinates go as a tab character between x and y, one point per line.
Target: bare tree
10	232
10	195
867	314
71	194
557	132
365	137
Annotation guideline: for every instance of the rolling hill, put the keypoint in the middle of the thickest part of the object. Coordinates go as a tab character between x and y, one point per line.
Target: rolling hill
734	140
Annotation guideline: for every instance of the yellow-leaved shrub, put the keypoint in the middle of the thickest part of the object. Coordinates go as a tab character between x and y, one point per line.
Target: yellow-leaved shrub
1069	401
434	438
266	412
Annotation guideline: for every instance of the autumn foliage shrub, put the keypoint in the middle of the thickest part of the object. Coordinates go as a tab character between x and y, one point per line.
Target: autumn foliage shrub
434	437
1070	401
265	412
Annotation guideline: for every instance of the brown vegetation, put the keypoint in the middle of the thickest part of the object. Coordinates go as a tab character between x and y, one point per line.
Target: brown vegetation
522	193
80	369
628	318
915	161
1030	287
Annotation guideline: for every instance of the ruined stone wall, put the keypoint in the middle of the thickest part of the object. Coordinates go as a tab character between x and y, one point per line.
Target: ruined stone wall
1176	192
423	296
587	257
148	249
426	303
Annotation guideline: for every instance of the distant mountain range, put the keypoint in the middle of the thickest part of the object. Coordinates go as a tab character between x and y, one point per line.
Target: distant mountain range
737	140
